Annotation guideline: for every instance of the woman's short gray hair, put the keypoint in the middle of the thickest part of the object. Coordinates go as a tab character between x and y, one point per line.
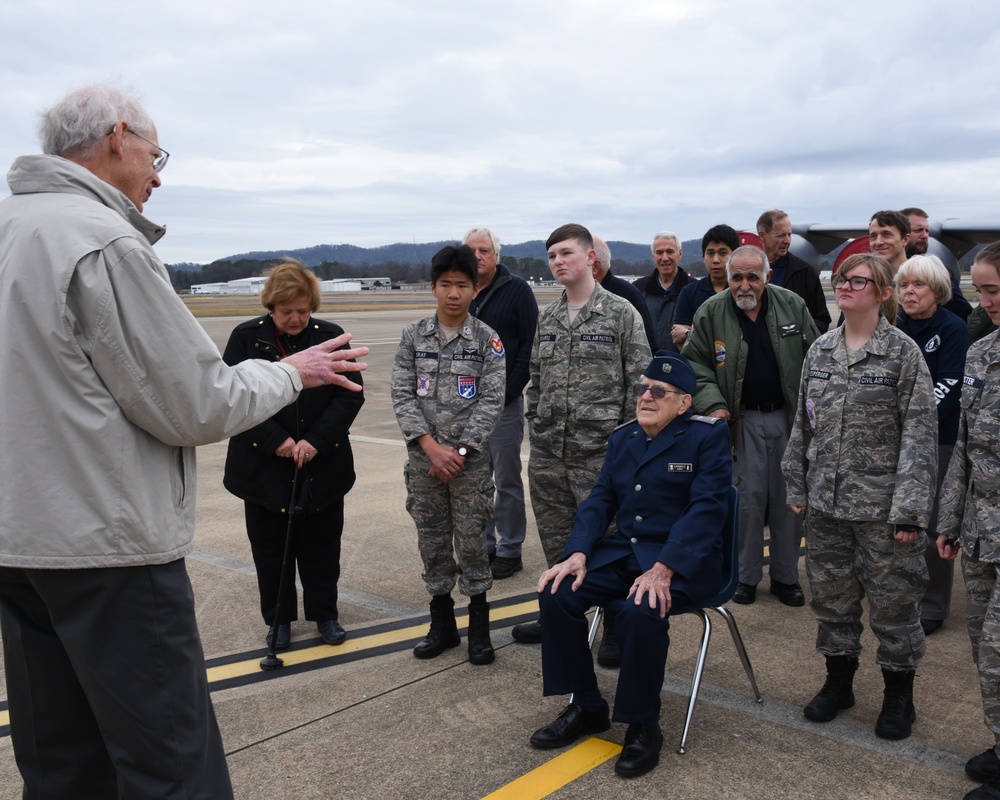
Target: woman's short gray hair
75	124
929	269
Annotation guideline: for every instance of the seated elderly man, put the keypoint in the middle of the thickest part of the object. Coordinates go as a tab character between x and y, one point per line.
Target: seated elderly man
664	480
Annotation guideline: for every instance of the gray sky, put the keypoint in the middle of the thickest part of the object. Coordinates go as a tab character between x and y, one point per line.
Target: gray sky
329	122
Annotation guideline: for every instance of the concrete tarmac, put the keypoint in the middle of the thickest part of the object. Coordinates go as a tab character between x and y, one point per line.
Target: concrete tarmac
367	720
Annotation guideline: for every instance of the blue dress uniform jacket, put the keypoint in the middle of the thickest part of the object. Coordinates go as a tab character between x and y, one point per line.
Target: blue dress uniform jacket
669	499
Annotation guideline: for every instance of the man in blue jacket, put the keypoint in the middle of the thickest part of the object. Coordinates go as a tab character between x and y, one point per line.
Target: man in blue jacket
505	302
665	479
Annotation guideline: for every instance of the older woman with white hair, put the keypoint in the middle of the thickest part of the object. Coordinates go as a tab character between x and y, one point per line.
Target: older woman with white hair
924	286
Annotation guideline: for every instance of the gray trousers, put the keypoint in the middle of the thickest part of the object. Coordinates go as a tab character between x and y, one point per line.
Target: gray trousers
760	443
505	535
107	685
937	600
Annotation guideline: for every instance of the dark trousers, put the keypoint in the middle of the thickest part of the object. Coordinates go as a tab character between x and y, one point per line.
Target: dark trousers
316	550
567	662
107	685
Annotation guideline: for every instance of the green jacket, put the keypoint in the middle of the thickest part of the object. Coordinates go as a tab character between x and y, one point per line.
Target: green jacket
718	353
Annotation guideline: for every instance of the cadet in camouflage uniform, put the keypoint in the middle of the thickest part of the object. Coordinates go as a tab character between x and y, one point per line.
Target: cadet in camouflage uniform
862	458
590	348
970	510
448	383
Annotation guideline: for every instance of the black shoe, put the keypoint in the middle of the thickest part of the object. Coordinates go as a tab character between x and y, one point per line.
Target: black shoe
745	594
527	632
990	790
505	567
609	654
930	625
570	725
984	767
284	637
788	593
641	750
331	631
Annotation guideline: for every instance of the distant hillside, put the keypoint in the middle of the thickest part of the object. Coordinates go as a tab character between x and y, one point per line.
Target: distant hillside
408	263
411	253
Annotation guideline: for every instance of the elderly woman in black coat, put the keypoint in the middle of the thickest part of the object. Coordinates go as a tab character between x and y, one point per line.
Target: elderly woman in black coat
311	435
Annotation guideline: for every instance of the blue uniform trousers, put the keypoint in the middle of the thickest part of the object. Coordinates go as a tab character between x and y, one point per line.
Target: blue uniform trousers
567	662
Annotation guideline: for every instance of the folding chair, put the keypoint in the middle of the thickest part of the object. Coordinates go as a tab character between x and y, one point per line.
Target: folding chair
731	572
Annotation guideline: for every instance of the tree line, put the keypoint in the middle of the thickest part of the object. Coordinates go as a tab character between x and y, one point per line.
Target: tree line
222	271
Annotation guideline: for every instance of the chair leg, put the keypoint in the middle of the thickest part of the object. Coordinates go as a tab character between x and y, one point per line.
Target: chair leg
699	668
740	648
595	625
592	634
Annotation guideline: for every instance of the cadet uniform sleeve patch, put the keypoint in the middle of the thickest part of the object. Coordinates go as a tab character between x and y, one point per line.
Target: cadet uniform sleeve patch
423	383
496	346
467	386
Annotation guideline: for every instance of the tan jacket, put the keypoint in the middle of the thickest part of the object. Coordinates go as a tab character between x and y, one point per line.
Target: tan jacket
108	380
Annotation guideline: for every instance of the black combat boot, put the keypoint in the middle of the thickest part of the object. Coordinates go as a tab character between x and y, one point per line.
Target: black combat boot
444	631
480	646
898	713
837	693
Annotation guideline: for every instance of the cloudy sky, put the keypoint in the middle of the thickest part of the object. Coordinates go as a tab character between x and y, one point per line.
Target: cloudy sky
327	122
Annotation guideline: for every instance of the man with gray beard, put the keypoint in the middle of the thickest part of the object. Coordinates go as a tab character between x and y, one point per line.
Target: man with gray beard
747	349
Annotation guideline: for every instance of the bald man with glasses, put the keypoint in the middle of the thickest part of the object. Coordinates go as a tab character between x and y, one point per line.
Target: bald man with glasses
747	350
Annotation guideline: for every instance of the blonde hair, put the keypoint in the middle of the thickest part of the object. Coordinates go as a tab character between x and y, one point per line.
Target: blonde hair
881	277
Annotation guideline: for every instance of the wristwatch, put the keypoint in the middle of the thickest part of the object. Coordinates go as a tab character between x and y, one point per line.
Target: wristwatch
463	451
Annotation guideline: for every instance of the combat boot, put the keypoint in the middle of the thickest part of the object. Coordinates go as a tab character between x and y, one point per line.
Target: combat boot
480	646
444	630
898	713
838	691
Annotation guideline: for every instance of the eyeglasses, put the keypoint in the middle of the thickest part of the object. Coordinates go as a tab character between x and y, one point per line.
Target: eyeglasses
739	277
161	160
856	282
658	392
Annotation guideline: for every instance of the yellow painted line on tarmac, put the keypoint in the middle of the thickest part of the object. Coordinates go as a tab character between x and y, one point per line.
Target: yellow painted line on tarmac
561	770
4	718
319	652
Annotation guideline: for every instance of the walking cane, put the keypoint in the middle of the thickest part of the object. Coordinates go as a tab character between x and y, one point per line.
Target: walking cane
271	661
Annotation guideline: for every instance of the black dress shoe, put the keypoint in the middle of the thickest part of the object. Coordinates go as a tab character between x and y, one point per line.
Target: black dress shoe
788	593
527	632
331	631
284	637
641	750
930	625
984	767
745	594
575	721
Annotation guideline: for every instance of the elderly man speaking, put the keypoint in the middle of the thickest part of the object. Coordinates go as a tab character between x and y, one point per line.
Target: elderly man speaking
110	384
664	480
